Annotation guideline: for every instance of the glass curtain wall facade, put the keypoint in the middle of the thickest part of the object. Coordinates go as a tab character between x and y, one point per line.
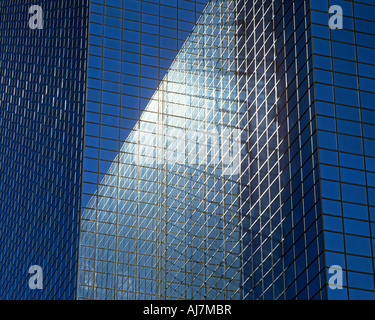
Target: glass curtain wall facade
171	229
163	222
280	210
188	149
281	233
42	103
344	66
132	44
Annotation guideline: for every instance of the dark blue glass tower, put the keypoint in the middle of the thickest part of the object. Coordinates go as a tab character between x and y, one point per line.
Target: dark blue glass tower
344	62
42	107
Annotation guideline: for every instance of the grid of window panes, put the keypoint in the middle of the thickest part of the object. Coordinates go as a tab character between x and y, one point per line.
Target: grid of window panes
344	62
163	222
132	44
280	210
42	94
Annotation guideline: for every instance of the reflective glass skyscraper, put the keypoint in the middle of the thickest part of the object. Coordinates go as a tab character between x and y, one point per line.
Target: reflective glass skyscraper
188	150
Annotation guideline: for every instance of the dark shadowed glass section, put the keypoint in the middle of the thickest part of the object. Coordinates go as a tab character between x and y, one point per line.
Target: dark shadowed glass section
281	228
303	259
42	97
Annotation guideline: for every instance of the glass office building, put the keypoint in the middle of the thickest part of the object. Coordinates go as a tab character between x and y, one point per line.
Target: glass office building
189	150
42	102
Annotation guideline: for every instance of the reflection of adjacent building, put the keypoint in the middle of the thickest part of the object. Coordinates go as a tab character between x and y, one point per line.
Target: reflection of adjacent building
274	92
